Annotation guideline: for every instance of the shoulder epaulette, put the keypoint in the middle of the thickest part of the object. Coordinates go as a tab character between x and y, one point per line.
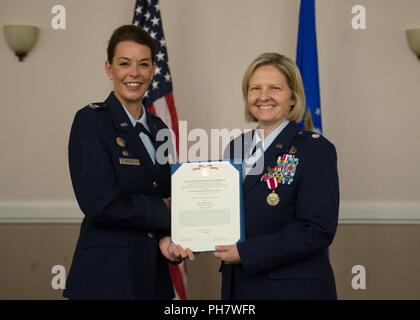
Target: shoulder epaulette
309	134
97	105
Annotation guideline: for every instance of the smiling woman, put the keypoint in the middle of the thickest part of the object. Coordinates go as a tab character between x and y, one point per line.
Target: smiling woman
291	209
131	68
273	83
122	190
269	97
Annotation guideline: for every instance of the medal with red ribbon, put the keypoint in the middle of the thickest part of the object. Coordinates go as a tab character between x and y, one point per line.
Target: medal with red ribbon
273	198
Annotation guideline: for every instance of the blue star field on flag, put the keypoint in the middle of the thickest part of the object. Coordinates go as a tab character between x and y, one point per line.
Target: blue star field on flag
147	15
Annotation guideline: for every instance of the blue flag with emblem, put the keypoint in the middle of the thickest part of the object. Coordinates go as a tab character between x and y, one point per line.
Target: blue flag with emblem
307	61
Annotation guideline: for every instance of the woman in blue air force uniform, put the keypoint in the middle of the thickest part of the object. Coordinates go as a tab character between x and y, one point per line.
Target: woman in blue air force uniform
291	195
123	247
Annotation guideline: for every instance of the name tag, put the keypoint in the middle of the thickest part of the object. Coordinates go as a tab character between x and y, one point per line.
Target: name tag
130	162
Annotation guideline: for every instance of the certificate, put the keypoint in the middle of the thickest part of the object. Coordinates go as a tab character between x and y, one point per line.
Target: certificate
206	205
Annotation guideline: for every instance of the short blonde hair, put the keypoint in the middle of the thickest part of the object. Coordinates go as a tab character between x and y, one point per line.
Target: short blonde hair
294	80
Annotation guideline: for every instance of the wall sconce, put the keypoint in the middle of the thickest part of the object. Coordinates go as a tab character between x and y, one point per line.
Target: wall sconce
20	39
413	38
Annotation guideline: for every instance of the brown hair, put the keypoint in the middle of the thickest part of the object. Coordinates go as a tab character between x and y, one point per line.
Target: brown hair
130	33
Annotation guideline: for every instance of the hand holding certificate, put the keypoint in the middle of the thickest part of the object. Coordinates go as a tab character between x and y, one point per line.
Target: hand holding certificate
206	205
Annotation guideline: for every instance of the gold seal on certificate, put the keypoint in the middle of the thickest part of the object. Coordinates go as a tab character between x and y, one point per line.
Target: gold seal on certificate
206	205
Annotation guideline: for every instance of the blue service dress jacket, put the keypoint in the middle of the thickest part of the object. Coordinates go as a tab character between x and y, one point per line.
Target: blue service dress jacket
120	192
285	251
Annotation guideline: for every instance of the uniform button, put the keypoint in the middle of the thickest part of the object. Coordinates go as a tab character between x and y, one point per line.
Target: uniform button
150	234
155	184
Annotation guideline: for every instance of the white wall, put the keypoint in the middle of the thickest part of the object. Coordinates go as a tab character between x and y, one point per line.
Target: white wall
369	83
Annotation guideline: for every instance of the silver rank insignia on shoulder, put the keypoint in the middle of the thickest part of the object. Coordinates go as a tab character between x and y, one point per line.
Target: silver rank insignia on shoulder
315	135
93	106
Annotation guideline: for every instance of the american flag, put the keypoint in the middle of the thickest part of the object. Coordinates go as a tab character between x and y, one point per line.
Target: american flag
159	99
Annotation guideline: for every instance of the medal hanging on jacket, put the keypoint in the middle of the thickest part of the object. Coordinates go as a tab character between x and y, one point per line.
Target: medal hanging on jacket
273	198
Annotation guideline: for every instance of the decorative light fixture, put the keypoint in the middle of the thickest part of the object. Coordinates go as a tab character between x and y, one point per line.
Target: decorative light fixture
413	38
20	39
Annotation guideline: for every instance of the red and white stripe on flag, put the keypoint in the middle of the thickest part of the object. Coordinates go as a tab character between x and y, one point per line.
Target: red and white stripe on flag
164	108
179	280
